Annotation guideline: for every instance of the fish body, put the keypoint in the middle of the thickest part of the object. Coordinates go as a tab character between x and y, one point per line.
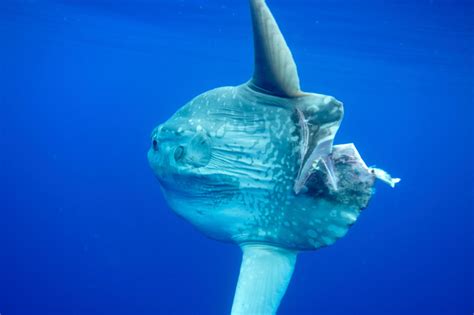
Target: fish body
256	165
229	160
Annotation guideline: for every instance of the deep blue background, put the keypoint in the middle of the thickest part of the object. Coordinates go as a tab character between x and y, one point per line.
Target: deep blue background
84	228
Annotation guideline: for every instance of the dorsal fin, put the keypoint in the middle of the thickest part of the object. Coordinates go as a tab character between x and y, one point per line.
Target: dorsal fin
275	70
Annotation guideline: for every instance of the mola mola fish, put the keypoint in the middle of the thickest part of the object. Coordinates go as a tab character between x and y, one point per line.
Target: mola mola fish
255	165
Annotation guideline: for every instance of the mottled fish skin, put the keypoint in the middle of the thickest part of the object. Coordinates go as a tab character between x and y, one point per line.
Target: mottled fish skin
256	165
228	161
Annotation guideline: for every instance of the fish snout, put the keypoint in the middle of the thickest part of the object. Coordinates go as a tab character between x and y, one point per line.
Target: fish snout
157	157
172	153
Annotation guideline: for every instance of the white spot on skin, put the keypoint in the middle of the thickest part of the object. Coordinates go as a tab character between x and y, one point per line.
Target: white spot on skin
220	132
336	230
327	100
327	240
312	233
349	216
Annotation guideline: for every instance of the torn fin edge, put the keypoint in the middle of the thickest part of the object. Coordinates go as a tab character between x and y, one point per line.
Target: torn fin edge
329	166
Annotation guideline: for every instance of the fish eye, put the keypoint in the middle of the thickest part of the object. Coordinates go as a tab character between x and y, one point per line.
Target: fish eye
179	153
155	145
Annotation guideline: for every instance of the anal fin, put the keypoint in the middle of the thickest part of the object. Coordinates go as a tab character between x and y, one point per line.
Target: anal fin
264	277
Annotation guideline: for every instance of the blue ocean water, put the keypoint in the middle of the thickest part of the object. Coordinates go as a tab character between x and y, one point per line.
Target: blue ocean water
84	228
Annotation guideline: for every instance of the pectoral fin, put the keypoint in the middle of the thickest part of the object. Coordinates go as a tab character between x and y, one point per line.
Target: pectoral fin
319	118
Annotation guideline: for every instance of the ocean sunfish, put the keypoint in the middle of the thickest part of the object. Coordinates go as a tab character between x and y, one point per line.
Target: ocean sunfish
255	165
